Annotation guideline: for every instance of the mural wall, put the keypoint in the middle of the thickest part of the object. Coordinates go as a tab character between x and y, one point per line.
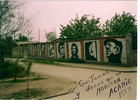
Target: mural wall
29	50
115	51
74	50
61	50
35	50
112	50
51	50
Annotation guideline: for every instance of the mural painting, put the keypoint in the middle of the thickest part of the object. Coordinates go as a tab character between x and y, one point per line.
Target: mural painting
42	50
75	50
91	50
51	50
61	50
35	50
29	50
113	50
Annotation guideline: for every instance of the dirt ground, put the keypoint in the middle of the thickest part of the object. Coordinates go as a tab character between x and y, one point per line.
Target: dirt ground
44	87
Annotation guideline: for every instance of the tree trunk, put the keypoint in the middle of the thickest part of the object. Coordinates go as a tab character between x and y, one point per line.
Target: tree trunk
28	87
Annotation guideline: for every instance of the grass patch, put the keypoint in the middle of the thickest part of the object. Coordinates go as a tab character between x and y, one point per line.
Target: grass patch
53	61
23	80
17	81
38	78
33	93
45	62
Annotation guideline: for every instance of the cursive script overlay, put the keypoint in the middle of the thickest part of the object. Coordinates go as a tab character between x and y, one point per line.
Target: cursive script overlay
106	82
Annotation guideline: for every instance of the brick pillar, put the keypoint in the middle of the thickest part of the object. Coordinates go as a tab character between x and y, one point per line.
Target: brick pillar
55	50
129	49
82	49
38	49
32	49
101	49
67	50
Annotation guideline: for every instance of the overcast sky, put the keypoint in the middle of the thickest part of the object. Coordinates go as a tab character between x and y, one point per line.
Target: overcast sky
50	14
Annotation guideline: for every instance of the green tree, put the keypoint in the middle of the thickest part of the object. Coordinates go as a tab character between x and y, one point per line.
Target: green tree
120	25
28	65
12	22
22	38
50	36
81	28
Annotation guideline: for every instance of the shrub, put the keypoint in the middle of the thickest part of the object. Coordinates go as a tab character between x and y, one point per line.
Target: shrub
8	70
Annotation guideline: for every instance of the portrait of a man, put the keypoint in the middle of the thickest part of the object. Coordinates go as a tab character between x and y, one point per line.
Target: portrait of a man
91	50
51	51
113	50
74	51
61	50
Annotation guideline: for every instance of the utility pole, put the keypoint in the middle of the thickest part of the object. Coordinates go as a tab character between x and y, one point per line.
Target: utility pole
39	35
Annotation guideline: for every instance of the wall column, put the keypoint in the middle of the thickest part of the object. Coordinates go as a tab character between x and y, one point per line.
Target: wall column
55	50
102	50
82	49
67	50
32	50
38	49
129	49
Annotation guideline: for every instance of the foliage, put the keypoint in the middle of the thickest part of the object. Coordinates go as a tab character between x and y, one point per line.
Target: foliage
28	65
120	25
6	45
22	38
50	36
81	28
34	92
44	62
12	22
8	70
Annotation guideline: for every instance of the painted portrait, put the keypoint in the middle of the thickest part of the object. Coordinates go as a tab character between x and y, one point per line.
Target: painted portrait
61	50
51	50
91	50
42	50
113	50
74	51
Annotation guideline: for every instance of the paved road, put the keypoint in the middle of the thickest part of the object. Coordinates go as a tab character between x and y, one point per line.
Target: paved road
93	84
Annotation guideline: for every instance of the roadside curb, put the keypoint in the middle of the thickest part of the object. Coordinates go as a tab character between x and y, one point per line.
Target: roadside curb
70	91
95	68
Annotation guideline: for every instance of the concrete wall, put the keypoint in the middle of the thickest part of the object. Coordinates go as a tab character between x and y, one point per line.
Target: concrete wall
105	49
